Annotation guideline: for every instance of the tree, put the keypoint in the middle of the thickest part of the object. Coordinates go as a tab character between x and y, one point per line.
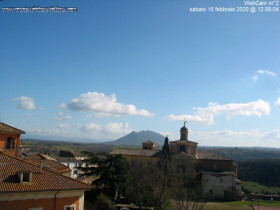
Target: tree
111	172
166	149
186	192
139	187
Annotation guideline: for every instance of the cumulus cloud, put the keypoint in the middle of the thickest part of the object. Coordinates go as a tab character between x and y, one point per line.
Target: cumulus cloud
257	108
62	106
90	127
26	102
277	103
269	73
61	117
206	119
115	128
206	115
118	128
102	104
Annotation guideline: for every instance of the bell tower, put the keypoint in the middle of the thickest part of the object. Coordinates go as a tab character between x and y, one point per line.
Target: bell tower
184	132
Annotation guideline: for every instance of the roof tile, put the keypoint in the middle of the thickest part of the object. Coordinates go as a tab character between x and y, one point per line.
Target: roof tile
4	128
41	181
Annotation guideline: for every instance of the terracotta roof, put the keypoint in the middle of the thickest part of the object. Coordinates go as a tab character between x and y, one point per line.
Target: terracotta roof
38	156
45	180
4	128
211	156
52	165
135	152
47	161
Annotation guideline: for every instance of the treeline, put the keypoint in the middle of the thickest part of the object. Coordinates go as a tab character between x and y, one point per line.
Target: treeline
53	147
263	171
253	187
244	153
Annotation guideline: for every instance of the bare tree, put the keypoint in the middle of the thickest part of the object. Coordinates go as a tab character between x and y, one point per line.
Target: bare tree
187	193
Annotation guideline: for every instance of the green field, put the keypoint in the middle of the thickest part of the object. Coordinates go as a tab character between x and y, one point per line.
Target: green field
234	205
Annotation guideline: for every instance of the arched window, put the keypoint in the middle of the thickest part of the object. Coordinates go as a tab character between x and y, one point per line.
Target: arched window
9	143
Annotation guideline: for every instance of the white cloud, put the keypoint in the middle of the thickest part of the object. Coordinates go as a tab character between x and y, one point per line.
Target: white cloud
110	131
257	108
118	128
206	115
62	106
269	73
253	138
61	117
206	119
91	127
46	132
100	103
277	103
64	126
25	102
263	72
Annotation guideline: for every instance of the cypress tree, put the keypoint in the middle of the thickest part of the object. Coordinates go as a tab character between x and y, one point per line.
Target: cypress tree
166	149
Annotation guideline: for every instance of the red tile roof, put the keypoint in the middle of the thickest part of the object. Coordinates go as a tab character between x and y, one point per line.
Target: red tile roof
47	161
45	180
4	128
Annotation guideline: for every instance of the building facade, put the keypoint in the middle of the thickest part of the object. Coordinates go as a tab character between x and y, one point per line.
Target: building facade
9	139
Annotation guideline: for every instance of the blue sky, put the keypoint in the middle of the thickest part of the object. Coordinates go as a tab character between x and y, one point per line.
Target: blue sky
118	66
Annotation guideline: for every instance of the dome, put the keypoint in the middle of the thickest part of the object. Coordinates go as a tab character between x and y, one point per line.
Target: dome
184	128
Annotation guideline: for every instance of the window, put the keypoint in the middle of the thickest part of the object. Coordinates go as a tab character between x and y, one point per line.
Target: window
25	177
182	148
9	143
70	207
221	180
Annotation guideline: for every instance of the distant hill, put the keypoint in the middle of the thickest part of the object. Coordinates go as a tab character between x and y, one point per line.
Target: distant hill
136	138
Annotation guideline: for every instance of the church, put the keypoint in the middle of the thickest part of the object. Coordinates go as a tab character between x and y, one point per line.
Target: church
217	173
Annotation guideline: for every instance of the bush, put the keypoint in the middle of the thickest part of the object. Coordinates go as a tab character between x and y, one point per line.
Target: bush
103	202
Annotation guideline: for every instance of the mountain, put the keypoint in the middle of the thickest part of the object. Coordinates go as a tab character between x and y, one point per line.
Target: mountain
136	138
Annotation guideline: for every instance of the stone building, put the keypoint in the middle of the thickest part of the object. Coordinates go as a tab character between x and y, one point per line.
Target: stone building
185	159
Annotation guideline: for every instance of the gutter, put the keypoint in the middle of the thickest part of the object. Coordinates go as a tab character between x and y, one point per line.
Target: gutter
55	200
